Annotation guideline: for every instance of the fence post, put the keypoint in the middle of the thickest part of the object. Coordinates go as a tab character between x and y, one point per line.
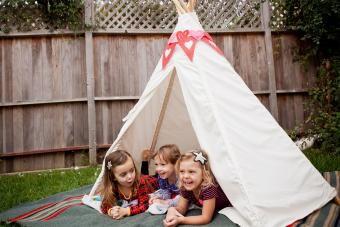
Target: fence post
265	17
91	109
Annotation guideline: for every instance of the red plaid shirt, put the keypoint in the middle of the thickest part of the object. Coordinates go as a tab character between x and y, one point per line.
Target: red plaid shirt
147	185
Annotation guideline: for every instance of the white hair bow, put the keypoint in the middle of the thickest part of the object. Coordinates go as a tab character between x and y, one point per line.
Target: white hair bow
199	157
109	165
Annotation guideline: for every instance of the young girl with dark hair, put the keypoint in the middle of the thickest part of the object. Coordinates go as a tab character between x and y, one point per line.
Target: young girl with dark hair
124	192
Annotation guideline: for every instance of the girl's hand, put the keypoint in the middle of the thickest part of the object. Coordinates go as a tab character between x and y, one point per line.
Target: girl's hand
172	212
119	212
173	221
146	155
160	201
152	199
173	217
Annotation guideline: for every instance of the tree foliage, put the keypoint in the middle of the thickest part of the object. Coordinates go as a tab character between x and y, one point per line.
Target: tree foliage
318	24
27	15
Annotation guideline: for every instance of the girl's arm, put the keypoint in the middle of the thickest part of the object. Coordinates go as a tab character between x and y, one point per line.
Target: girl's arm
147	185
104	207
144	169
145	162
182	205
205	218
208	209
171	202
179	210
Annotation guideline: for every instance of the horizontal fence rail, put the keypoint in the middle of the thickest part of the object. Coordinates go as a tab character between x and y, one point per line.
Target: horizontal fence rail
126	98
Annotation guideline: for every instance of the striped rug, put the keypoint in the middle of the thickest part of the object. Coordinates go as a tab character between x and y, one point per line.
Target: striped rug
328	215
49	211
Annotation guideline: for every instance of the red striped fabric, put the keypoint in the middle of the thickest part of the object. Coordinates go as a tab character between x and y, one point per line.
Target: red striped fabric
48	211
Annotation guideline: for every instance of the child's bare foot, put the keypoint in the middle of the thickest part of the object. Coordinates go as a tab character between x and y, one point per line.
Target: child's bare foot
146	154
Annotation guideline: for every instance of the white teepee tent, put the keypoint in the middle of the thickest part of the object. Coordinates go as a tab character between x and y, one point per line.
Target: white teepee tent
204	103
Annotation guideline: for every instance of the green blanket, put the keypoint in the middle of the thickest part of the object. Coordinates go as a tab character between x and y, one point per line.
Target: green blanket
81	215
86	216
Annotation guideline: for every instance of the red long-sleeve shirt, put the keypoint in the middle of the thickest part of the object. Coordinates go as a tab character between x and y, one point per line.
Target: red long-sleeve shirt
147	185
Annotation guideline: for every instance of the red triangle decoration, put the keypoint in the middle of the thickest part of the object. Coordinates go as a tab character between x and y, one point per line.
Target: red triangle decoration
187	40
187	43
167	54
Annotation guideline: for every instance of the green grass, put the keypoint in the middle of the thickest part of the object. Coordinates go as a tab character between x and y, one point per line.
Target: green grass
324	162
25	187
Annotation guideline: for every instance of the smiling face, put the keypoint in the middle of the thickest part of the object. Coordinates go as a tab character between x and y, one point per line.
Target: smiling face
190	175
164	169
125	174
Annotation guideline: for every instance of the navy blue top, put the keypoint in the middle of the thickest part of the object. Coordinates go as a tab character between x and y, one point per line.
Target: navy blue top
171	188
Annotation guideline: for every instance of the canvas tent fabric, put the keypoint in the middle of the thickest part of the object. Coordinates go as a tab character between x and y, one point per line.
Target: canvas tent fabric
205	104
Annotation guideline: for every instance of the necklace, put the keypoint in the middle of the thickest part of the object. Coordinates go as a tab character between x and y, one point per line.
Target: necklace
125	197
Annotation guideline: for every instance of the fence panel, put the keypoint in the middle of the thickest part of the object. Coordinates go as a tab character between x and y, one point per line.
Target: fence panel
292	81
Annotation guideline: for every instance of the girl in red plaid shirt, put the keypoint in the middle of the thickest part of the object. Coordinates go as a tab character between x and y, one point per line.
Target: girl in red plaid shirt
124	191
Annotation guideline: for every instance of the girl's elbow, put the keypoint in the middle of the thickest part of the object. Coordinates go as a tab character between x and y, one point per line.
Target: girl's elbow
206	220
178	209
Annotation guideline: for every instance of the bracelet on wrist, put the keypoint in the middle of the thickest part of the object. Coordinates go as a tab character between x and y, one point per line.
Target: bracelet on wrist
109	212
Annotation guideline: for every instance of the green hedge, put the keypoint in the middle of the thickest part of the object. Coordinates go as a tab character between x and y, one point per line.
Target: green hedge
318	25
28	15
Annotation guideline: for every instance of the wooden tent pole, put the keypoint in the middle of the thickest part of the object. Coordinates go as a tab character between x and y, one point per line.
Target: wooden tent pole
162	113
179	8
191	5
184	6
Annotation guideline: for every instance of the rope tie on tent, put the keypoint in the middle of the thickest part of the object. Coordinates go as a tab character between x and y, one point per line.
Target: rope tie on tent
187	40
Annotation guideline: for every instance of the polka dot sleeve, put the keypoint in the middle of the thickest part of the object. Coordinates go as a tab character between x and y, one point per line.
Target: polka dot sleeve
208	192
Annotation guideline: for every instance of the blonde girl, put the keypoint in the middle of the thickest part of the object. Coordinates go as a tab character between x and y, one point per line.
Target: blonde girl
165	160
124	191
197	186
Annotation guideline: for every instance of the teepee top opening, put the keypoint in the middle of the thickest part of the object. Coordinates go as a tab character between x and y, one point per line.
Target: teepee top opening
184	8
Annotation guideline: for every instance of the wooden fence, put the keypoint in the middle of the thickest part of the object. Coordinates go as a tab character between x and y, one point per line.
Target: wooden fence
63	94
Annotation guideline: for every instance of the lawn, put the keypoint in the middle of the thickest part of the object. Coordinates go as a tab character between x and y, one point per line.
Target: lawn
324	162
25	187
